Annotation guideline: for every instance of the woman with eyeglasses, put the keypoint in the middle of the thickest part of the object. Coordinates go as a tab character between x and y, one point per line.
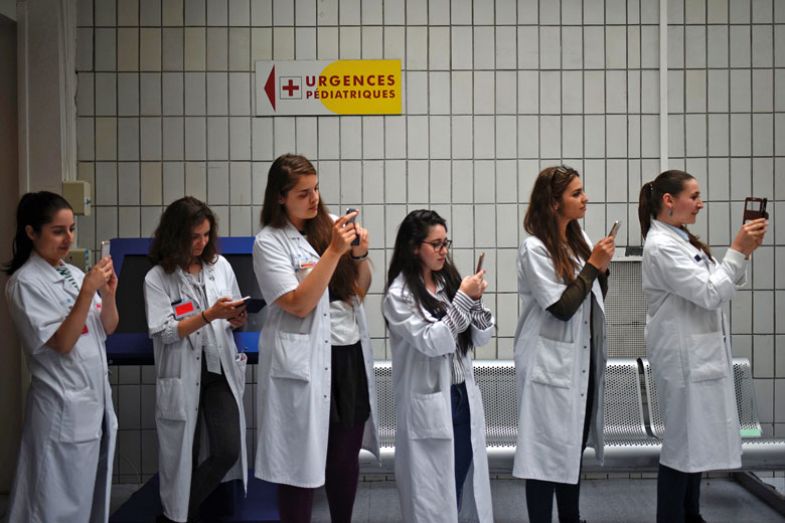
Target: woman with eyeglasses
316	388
560	346
435	319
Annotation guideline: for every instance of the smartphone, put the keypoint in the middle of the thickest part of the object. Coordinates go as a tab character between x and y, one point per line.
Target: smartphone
479	262
755	208
253	305
350	210
105	248
615	228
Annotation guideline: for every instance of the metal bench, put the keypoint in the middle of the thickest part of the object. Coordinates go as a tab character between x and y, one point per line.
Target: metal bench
757	453
632	423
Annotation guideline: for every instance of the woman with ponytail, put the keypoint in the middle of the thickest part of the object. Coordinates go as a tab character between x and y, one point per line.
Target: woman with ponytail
62	316
435	319
560	347
688	339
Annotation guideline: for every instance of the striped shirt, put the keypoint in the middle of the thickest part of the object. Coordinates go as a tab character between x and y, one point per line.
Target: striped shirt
461	314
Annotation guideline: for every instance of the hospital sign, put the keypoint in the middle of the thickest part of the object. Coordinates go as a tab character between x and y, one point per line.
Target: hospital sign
324	87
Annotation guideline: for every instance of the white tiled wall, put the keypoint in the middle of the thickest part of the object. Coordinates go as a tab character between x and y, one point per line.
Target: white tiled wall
493	91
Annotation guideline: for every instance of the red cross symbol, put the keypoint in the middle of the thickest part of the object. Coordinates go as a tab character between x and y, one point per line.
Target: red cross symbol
290	88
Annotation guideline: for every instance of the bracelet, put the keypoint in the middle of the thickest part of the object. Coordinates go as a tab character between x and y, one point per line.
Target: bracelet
204	317
358	258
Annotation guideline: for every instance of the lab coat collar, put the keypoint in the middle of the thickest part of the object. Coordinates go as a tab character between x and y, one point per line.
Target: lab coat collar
296	236
46	269
668	229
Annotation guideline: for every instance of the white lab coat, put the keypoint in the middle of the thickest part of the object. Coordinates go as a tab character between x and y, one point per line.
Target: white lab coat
424	453
294	373
64	471
688	344
552	371
178	369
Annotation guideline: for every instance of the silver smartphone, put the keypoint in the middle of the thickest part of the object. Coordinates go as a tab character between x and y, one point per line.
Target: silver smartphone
105	248
615	228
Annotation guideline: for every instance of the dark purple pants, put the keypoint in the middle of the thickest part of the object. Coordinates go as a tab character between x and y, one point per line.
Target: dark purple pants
341	475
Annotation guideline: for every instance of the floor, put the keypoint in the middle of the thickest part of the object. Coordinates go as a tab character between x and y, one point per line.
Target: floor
607	501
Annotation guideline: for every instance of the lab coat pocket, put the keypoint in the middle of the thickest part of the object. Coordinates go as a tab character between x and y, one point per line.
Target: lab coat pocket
553	363
291	357
706	356
82	416
170	399
429	417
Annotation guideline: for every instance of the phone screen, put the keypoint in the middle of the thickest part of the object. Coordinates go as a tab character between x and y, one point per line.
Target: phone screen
754	208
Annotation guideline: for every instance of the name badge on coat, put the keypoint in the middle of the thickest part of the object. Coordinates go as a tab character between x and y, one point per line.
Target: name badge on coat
183	309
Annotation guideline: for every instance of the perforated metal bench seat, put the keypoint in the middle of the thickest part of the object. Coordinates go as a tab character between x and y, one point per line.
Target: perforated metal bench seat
632	424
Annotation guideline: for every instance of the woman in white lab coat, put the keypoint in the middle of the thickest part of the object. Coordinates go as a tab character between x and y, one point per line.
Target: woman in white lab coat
192	304
435	319
688	339
64	472
316	390
560	346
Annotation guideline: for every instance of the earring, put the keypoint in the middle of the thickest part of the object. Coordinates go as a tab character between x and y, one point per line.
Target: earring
670	212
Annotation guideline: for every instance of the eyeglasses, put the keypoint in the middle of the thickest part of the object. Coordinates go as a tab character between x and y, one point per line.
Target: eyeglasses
439	245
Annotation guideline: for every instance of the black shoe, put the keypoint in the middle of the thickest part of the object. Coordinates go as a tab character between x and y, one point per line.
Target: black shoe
696	518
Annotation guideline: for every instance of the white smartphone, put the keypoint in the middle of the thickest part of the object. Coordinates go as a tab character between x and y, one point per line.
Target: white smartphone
615	228
105	248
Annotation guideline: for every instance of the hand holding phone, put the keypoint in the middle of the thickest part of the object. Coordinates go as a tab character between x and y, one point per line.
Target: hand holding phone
350	221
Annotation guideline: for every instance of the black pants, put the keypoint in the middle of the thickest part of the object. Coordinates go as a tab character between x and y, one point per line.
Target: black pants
218	411
678	495
539	494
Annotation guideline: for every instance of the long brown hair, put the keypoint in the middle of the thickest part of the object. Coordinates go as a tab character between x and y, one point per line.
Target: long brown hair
171	247
542	221
282	177
650	203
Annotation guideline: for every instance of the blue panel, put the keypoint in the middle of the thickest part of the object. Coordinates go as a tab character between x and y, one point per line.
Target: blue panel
131	344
